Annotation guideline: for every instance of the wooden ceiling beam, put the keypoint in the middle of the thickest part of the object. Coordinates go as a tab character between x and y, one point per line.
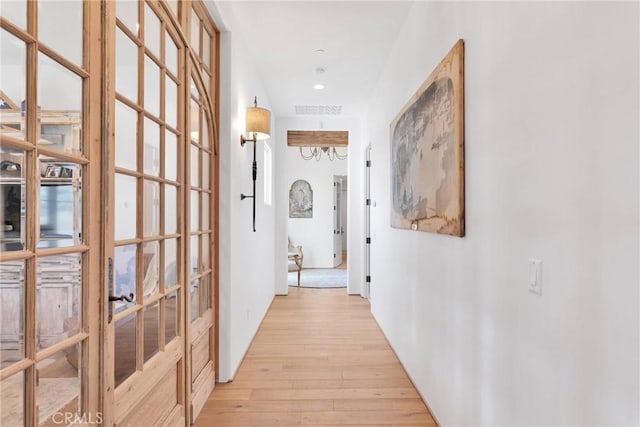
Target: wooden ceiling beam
317	138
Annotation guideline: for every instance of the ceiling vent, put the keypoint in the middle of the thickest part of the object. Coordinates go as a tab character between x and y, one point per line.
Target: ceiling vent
319	110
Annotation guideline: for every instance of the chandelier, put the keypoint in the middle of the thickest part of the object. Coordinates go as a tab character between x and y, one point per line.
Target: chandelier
316	153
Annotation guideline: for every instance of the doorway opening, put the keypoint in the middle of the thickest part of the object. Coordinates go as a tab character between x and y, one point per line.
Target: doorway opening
312	264
340	221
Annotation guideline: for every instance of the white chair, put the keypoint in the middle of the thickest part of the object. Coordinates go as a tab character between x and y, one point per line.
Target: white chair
295	257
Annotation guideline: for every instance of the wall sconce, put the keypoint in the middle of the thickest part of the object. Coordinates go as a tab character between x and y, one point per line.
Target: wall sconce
258	124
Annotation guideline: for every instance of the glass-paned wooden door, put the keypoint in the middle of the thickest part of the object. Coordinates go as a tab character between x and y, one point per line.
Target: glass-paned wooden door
50	227
145	351
201	169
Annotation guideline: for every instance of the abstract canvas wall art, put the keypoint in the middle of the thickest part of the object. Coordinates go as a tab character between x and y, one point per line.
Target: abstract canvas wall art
427	153
300	200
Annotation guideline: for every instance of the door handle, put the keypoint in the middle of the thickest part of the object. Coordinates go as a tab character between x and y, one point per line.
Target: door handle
121	298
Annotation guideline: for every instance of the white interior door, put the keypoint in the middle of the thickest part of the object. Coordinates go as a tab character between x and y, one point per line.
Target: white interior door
367	284
337	235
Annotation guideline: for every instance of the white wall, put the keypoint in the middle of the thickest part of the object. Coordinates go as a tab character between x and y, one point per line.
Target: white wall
315	235
246	263
552	173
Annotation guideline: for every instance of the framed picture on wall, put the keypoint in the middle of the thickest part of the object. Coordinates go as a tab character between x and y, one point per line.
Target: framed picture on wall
427	153
300	200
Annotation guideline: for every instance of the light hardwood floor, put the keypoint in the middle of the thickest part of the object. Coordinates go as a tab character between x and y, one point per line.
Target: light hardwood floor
318	358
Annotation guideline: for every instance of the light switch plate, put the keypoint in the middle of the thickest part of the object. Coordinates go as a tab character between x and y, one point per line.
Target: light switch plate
535	276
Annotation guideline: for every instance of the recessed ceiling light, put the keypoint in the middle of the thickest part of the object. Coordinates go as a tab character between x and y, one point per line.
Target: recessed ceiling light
319	51
318	86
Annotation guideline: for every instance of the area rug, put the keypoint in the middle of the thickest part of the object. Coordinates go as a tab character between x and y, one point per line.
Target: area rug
319	278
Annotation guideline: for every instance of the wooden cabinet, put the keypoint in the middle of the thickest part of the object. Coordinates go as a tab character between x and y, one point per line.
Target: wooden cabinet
57	129
58	278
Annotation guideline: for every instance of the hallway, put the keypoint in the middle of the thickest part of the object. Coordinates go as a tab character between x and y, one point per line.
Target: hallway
318	358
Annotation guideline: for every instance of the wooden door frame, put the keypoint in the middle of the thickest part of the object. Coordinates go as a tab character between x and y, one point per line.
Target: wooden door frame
90	70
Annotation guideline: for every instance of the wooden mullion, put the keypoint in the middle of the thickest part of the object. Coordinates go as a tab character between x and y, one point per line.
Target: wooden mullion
71	66
12	142
173	130
151	239
200	160
46	252
171	236
128	172
159	121
127	312
153	178
109	25
68	342
200	250
153	57
161	304
91	147
213	133
200	38
171	289
89	27
135	38
174	183
152	299
63	155
199	275
16	31
163	131
31	221
14	368
16	255
157	9
172	76
129	103
127	242
140	192
184	75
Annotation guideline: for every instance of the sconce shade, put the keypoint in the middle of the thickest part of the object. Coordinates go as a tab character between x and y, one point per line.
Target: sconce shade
259	122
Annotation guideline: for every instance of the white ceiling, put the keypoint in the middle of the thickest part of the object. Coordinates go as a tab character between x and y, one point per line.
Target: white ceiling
282	37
